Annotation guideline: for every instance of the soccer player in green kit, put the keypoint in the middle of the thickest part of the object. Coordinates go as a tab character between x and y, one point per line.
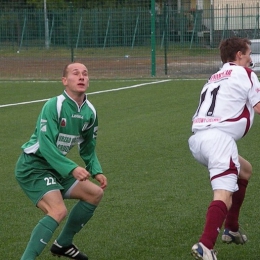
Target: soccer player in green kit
48	177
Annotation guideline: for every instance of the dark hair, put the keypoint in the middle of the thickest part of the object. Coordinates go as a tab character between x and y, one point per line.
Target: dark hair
229	48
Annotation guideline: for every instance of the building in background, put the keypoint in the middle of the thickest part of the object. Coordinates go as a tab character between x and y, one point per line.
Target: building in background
213	20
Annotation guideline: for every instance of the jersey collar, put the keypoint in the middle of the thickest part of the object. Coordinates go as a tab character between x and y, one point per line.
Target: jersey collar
73	102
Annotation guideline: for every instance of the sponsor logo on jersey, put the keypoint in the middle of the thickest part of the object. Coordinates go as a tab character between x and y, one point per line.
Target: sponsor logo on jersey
77	116
63	122
221	75
206	120
43	125
66	142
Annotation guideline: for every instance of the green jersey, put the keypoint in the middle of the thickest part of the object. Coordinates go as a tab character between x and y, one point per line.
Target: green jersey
61	125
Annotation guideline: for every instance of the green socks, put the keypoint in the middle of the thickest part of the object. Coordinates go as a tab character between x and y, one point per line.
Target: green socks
40	236
43	231
78	217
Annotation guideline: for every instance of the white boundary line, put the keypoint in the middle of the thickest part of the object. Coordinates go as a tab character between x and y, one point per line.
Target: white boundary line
92	93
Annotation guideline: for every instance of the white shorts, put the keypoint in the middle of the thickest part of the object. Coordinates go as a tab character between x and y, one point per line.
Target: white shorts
217	151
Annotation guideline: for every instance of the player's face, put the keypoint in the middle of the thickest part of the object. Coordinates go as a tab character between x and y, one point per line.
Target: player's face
76	80
245	59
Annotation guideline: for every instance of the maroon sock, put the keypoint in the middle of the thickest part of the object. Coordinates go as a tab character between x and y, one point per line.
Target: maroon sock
237	200
216	214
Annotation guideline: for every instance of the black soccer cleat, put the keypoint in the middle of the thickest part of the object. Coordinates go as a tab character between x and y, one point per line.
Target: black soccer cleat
70	252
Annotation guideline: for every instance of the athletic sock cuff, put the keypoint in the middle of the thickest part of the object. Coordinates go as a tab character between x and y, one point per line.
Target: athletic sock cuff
220	204
49	223
88	206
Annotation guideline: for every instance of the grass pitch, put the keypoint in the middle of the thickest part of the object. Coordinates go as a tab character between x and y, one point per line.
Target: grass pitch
157	196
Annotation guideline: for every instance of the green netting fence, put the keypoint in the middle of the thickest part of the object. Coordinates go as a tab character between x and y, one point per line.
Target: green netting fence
127	42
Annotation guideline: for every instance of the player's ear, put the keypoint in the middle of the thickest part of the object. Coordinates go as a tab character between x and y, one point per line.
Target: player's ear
64	81
239	54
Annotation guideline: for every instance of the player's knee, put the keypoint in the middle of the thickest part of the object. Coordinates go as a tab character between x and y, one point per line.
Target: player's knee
223	195
59	214
98	195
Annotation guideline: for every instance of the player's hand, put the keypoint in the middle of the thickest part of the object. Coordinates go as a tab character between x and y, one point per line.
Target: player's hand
81	174
102	180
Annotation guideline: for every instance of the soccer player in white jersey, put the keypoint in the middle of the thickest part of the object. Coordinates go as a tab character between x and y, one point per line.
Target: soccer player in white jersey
224	115
48	177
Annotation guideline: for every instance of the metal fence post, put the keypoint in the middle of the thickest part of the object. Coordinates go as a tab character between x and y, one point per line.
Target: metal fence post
46	26
71	31
153	44
24	28
165	12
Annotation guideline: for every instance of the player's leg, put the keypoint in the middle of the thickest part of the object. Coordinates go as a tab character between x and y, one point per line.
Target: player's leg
224	166
53	206
245	169
40	236
44	191
218	152
215	216
89	195
232	232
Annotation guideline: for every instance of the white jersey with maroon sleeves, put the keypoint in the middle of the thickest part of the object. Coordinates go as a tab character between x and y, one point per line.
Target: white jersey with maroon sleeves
227	101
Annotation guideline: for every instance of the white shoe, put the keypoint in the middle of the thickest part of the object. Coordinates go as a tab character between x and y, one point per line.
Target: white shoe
233	237
199	251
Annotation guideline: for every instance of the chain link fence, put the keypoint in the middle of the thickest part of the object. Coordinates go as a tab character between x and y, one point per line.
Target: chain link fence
126	41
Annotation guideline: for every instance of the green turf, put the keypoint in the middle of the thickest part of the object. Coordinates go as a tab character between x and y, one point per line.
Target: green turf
155	203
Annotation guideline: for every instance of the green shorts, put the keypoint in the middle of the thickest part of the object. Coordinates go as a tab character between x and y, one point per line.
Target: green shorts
36	178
